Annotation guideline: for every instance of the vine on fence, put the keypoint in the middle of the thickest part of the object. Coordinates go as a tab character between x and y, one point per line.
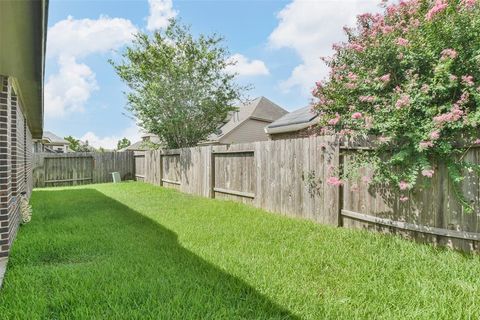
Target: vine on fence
409	76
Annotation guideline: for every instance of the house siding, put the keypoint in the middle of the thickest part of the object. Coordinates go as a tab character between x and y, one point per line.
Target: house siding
249	131
291	135
15	163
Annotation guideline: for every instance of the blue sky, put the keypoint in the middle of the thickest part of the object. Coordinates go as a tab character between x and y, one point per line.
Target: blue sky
277	44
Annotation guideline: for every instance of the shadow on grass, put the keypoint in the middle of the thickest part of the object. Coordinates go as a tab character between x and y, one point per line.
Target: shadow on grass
85	255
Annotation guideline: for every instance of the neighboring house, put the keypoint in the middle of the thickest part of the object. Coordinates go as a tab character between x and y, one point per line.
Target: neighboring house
144	144
50	142
23	28
293	125
247	123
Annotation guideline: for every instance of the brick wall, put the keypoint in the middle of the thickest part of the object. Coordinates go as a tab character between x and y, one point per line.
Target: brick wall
15	163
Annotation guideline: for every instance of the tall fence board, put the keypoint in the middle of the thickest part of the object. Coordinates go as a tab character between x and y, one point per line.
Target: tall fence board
64	169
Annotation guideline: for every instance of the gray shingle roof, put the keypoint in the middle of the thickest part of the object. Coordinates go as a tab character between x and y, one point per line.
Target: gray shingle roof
261	109
53	138
303	115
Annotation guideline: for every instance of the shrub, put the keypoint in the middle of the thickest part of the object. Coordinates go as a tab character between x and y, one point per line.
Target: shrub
410	77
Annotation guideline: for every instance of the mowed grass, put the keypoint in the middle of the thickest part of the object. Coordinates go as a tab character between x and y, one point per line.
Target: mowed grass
136	251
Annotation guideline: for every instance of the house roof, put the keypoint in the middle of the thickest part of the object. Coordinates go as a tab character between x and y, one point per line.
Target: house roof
23	35
50	137
293	121
137	146
258	109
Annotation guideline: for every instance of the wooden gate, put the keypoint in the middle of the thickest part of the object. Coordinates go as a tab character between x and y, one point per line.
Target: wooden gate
68	171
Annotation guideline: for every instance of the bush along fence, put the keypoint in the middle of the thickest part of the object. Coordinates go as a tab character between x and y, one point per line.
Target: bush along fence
66	169
290	177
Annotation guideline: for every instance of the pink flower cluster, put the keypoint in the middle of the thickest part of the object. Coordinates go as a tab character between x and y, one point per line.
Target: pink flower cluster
356	47
403	101
428	173
439	6
402	42
366	98
448	54
468	80
357	115
469	3
334	181
423	145
385	78
403	198
454	115
403	185
435	135
335	120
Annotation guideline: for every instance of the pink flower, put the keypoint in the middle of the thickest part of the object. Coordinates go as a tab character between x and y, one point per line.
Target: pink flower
439	6
350	85
357	115
476	141
435	135
469	3
453	78
403	185
454	115
335	120
352	76
403	198
468	80
403	101
356	47
334	181
425	145
385	78
387	29
402	42
448	53
366	98
428	173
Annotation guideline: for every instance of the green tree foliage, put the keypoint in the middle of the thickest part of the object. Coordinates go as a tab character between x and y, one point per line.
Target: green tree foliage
78	146
123	143
179	86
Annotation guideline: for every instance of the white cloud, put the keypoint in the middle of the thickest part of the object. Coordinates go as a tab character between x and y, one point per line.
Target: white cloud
246	67
132	133
69	89
310	28
160	12
78	38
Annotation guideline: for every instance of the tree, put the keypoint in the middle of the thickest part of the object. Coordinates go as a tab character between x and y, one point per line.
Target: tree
123	143
77	145
74	144
179	86
410	77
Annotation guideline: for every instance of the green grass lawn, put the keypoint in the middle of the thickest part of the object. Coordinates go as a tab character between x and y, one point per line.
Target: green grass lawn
135	251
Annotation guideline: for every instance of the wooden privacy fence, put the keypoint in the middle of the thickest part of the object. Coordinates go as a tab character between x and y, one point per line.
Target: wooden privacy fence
289	177
64	169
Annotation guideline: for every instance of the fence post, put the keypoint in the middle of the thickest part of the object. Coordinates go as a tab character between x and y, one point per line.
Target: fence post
212	173
161	168
341	189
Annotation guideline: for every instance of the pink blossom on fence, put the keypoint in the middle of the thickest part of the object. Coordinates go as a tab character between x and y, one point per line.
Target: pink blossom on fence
403	185
352	76
350	85
423	145
454	115
335	120
468	80
476	141
334	181
453	78
402	42
385	78
448	54
403	198
428	173
388	29
366	98
439	6
403	101
435	135
469	3
357	115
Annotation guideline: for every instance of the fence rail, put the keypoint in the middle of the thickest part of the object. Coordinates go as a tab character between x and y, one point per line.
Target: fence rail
65	169
289	177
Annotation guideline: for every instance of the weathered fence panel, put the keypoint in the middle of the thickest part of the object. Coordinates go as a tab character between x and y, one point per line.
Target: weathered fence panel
65	169
289	177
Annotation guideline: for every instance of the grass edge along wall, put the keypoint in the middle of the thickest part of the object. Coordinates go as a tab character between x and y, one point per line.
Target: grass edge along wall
289	177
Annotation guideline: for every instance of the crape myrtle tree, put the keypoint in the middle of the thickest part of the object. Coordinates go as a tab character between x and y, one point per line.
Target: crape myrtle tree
410	77
179	85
